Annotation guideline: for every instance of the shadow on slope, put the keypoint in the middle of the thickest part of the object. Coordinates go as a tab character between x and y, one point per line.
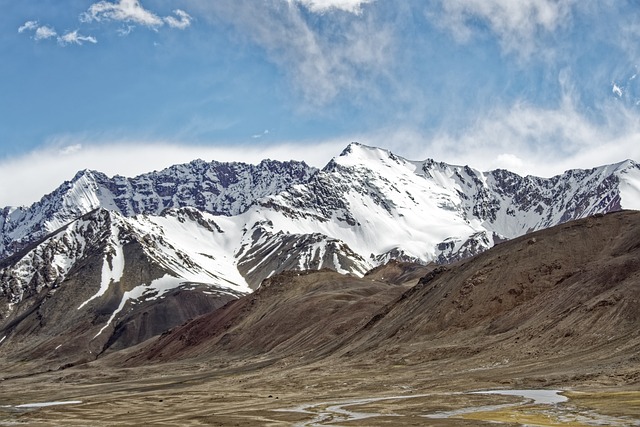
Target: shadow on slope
293	312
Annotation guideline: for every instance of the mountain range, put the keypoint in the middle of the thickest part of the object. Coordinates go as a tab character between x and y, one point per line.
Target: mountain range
115	261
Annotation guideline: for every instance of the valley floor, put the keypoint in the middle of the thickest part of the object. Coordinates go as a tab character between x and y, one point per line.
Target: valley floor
332	392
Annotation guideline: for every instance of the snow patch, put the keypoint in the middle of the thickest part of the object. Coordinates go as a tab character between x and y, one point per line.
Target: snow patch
630	191
112	265
156	289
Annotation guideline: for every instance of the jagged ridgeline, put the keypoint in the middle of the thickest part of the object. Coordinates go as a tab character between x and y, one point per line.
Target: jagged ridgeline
116	255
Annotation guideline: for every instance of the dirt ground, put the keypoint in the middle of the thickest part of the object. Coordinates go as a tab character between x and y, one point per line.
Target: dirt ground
330	392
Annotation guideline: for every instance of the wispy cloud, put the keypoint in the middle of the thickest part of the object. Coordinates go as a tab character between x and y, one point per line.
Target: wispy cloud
28	26
353	6
517	24
128	12
124	10
529	139
73	37
44	32
322	61
131	11
181	21
260	135
40	32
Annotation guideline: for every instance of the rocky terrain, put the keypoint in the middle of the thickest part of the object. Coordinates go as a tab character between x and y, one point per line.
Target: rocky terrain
217	188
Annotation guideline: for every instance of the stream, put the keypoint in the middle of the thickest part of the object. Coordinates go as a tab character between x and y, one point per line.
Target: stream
336	412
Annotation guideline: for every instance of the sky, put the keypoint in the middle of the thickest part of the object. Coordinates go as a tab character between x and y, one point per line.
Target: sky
131	86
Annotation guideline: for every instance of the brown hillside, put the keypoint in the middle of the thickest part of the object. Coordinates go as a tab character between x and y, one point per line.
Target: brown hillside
573	285
570	294
293	312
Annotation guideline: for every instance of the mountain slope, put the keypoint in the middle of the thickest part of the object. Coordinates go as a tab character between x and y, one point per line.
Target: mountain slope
107	281
557	290
567	295
292	313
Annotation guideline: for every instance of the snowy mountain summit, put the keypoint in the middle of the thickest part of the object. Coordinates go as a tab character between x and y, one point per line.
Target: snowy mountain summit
114	247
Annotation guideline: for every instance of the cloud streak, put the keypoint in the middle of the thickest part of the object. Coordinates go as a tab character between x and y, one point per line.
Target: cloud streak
321	6
181	21
519	25
73	37
28	26
124	10
44	32
324	62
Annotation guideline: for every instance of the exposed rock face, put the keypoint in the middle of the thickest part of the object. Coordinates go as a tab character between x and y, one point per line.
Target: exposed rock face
264	254
217	188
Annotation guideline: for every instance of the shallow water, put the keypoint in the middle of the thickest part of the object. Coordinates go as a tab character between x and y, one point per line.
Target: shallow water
535	397
45	404
538	397
335	411
549	402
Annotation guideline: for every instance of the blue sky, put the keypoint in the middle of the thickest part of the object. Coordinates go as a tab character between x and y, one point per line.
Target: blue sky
128	86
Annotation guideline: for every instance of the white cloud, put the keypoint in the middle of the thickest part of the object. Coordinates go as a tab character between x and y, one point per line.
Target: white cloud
528	140
73	37
522	138
44	32
319	6
509	161
131	11
124	10
126	30
182	21
28	26
70	149
517	24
